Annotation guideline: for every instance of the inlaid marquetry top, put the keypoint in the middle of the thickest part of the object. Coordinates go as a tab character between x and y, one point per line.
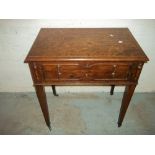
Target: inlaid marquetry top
108	44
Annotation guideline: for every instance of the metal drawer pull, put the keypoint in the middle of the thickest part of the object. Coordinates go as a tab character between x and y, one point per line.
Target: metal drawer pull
59	73
86	75
35	66
113	74
139	66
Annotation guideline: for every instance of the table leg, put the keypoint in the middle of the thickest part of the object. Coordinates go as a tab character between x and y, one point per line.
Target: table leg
112	89
129	90
40	91
54	91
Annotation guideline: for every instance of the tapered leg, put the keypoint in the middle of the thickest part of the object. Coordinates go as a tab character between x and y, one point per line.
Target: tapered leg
129	90
40	91
54	91
112	90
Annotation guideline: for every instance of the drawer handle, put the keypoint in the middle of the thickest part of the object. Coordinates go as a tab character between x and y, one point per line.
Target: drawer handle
139	66
58	67
113	74
86	75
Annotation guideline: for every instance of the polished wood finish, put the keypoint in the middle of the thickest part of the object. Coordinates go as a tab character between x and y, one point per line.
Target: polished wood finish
108	44
85	56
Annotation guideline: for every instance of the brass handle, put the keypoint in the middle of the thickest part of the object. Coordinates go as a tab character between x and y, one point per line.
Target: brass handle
35	67
113	74
139	66
59	73
86	75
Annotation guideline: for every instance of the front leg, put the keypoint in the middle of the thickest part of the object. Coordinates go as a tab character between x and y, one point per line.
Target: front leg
40	91
129	90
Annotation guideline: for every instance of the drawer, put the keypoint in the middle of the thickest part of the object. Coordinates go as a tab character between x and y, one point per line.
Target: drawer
84	71
71	72
97	71
108	71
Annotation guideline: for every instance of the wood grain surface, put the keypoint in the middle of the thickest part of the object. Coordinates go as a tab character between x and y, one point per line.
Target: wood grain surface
108	44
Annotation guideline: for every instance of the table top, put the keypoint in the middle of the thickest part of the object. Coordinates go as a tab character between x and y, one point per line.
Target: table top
107	44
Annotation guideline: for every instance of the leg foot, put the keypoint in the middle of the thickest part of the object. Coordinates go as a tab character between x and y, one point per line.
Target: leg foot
49	126
119	124
112	90
54	91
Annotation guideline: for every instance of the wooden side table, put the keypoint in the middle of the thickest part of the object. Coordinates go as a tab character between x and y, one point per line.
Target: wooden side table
85	56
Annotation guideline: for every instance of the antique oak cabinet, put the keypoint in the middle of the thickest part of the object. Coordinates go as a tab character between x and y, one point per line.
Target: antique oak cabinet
85	56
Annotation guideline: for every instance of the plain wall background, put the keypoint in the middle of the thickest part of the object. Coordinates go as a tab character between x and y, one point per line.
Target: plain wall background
17	36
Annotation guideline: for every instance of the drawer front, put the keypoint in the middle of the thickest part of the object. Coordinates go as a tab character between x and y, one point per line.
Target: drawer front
85	71
97	71
108	71
50	72
71	72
